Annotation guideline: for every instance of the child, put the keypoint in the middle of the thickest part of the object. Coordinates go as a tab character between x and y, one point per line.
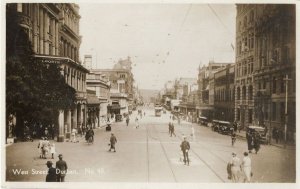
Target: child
52	150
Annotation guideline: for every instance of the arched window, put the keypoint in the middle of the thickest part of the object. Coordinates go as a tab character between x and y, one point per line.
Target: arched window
250	92
244	92
238	92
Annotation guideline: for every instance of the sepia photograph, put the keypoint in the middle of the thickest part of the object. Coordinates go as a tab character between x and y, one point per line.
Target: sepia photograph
150	92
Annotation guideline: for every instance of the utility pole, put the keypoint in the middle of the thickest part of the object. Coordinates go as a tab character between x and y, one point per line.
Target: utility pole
286	79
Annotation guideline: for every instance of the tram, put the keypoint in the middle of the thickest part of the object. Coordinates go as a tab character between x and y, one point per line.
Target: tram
158	110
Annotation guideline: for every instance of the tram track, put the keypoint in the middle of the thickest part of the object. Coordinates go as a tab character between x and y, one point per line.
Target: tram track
205	162
165	153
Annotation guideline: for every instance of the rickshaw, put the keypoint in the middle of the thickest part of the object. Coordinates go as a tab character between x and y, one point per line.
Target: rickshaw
225	127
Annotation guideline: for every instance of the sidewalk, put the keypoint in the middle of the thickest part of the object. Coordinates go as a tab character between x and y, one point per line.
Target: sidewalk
242	135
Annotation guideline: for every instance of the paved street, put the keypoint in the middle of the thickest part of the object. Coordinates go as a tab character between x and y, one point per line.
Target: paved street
149	154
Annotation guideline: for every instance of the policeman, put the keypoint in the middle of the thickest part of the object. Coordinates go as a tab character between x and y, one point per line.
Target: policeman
185	147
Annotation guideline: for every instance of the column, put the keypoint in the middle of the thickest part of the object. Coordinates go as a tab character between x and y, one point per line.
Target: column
54	36
46	36
84	115
69	116
57	40
74	118
79	115
41	31
60	126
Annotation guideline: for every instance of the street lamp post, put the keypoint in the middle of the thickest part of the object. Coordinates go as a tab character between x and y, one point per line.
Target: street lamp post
286	79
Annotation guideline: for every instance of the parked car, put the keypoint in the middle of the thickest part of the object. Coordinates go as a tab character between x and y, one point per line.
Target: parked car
203	120
225	127
261	131
215	125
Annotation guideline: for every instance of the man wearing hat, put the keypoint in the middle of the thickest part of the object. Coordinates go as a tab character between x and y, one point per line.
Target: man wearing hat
51	176
61	169
113	141
185	147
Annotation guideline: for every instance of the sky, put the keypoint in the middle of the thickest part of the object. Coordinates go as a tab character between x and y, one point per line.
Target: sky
164	41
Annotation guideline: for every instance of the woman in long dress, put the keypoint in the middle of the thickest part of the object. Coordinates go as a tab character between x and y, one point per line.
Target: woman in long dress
246	167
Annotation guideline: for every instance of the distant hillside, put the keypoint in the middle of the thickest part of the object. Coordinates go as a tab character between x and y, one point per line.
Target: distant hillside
147	94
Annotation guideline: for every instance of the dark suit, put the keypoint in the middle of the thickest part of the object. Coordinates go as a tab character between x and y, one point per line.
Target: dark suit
62	168
185	146
113	141
51	176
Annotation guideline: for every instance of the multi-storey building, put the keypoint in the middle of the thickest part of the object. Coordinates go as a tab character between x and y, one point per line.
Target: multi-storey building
53	29
275	66
265	66
205	106
245	54
224	94
101	86
121	87
186	86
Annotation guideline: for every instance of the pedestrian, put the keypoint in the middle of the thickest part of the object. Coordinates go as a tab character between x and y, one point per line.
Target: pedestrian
246	167
40	145
233	138
235	126
185	147
249	141
256	142
127	120
51	175
235	165
62	169
276	135
173	130
170	128
74	131
46	132
137	123
113	141
193	132
45	148
144	114
52	150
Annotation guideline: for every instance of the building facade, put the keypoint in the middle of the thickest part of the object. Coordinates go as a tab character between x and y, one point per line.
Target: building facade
115	87
101	86
205	107
53	29
275	68
244	69
265	67
224	94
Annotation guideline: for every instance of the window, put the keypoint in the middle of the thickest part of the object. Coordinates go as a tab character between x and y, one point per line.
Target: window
273	111
244	92
252	16
238	91
245	21
250	92
250	112
264	84
274	84
282	111
286	55
282	86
